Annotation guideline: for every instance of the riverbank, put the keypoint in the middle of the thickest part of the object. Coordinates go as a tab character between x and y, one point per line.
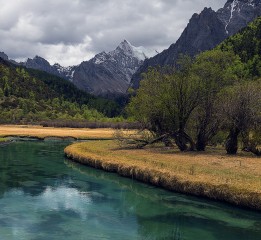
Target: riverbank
39	132
214	175
3	140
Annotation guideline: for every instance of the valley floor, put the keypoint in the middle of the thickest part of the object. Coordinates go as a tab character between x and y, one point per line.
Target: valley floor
213	174
40	132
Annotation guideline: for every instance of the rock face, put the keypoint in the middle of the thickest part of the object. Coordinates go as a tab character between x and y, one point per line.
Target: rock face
3	56
106	74
204	31
64	72
40	63
236	14
110	73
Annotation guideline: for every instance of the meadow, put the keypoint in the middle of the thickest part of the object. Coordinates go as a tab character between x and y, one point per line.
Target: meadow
40	132
212	174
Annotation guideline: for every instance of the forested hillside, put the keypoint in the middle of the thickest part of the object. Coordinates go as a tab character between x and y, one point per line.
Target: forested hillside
212	98
70	92
204	32
247	44
29	96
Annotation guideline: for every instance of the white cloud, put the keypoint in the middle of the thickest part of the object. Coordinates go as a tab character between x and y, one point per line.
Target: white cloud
69	31
67	54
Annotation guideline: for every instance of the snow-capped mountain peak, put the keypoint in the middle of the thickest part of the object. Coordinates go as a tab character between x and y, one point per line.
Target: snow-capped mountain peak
139	52
237	13
100	57
111	72
126	49
62	69
125	46
65	72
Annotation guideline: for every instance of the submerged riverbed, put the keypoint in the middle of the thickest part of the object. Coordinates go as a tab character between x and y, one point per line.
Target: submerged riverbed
45	196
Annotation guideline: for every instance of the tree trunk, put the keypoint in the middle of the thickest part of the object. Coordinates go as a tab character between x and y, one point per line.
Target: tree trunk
145	143
180	142
201	142
250	146
232	141
256	151
252	149
167	142
182	139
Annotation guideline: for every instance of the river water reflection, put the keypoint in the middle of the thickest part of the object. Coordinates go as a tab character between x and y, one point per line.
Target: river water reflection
45	196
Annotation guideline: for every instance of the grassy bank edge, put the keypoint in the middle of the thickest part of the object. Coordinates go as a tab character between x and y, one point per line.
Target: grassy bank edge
37	137
3	139
224	193
42	133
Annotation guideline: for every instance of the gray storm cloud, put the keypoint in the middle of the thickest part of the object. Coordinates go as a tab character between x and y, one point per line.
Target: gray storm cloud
70	31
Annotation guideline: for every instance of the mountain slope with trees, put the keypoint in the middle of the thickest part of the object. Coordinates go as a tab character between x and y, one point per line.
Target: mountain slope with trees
204	32
70	92
29	96
218	91
247	44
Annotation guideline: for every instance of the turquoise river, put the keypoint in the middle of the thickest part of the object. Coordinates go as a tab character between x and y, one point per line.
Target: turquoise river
45	196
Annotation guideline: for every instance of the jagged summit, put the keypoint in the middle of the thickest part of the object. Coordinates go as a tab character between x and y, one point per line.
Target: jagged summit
204	31
37	60
3	56
65	72
110	73
237	13
125	48
42	64
107	73
141	52
138	52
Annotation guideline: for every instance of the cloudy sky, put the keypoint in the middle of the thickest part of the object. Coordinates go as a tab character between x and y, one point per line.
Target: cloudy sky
70	31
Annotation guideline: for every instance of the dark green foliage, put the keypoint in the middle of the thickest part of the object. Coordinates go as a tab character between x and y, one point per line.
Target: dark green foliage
218	90
217	69
71	93
24	98
165	100
247	44
241	114
116	124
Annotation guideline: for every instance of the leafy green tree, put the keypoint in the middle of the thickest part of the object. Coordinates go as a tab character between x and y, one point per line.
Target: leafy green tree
148	105
241	109
1	93
247	45
216	70
165	100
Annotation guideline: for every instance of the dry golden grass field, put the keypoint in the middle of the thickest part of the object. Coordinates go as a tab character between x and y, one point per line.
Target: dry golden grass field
213	174
43	132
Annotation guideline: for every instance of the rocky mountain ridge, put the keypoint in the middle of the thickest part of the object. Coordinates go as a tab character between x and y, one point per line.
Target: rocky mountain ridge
205	31
110	73
105	74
